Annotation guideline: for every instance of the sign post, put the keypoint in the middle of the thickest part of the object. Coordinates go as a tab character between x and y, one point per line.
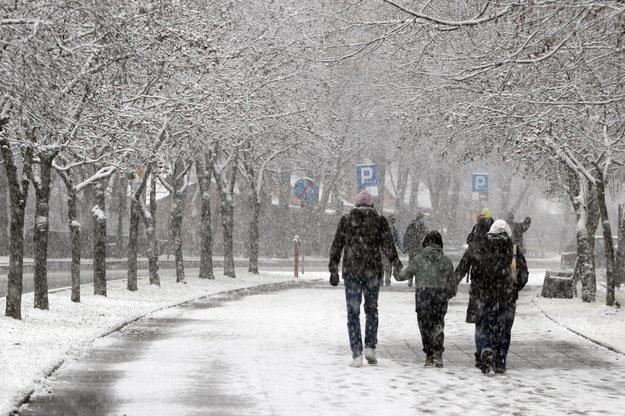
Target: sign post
479	187
296	243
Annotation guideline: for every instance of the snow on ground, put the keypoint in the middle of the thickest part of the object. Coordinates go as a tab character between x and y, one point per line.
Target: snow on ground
31	348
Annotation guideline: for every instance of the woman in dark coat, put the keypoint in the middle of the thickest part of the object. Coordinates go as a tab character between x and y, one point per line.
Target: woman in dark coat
470	266
496	293
361	238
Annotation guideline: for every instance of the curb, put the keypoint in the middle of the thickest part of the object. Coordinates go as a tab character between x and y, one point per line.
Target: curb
594	341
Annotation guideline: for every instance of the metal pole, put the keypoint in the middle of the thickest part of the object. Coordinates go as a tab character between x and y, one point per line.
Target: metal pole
296	243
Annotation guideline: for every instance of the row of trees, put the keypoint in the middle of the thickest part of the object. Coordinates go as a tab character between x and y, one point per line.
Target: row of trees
242	91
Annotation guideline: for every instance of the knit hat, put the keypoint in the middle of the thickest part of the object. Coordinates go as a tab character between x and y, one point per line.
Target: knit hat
432	237
364	198
500	226
486	213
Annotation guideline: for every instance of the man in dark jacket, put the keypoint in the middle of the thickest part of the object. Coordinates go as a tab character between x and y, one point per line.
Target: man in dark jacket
413	236
497	293
361	238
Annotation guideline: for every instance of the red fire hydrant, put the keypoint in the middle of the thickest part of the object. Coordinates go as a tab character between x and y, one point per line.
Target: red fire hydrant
296	244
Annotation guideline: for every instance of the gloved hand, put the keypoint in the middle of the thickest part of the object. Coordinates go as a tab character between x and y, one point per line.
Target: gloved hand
397	268
334	278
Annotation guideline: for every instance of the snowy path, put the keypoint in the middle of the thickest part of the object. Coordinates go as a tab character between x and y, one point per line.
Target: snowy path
286	353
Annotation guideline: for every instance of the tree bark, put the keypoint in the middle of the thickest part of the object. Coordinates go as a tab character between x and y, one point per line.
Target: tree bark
607	239
122	207
203	168
252	265
99	238
152	237
619	274
582	199
74	231
133	244
42	226
18	192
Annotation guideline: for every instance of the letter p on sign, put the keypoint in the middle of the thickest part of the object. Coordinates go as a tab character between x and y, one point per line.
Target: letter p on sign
366	175
479	182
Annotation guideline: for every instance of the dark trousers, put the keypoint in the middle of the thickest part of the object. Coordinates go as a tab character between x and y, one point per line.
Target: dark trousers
431	308
355	290
493	329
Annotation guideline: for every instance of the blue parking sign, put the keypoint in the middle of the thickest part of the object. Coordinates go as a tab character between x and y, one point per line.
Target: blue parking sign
366	175
479	182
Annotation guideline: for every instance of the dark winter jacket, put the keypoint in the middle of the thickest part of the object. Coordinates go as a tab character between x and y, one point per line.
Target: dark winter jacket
495	279
431	269
480	229
518	229
470	261
362	237
415	232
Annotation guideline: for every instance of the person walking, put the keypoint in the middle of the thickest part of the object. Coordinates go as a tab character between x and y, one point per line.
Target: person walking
415	232
435	284
398	245
362	237
469	266
497	292
518	229
484	213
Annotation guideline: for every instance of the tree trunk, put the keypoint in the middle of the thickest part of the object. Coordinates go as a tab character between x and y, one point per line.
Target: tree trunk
5	209
227	217
254	233
176	224
133	244
619	275
152	237
607	239
581	197
74	232
122	207
18	192
204	173
42	226
99	238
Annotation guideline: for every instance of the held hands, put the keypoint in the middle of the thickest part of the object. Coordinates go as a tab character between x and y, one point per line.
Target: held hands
334	278
397	268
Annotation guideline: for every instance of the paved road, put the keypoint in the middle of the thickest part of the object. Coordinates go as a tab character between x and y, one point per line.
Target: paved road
286	353
59	271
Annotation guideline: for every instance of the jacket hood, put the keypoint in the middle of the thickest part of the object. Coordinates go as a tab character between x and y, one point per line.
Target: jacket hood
500	226
432	252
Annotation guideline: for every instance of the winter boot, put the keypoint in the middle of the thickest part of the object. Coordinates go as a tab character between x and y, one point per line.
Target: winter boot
438	360
429	361
478	361
370	356
356	362
486	360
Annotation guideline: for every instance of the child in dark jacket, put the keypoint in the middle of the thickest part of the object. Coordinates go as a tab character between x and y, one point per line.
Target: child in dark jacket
435	284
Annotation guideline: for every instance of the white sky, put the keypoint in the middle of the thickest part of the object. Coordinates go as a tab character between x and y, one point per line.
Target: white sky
288	352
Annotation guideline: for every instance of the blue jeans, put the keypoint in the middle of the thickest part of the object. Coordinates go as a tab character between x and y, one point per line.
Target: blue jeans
355	289
493	329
